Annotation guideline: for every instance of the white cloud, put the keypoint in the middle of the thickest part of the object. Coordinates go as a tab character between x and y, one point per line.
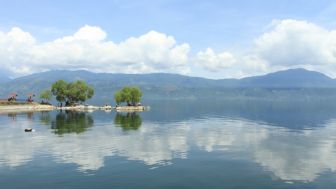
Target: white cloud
89	49
287	44
215	62
228	65
86	33
293	42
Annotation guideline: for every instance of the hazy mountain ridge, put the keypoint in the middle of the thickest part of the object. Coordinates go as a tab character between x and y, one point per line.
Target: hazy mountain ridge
162	85
4	79
293	78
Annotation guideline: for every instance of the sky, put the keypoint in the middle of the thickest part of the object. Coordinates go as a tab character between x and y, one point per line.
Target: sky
212	39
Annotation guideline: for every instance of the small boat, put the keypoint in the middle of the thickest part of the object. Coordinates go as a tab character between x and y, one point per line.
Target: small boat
28	130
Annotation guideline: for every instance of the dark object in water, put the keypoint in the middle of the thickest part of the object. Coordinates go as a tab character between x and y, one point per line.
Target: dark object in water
28	130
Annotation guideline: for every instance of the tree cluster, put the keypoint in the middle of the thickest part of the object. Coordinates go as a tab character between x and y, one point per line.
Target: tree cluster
45	96
130	95
71	93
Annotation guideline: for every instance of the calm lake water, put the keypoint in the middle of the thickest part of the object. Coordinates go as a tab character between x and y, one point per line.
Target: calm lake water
177	144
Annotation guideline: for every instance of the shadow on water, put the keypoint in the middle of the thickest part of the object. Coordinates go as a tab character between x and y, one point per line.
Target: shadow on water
70	122
128	121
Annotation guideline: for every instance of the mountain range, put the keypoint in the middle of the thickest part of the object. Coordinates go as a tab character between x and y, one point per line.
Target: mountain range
4	79
163	85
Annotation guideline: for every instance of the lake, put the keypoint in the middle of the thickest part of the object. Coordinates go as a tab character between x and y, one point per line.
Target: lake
177	144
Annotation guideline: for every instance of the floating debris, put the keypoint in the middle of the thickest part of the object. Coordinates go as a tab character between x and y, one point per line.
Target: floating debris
28	130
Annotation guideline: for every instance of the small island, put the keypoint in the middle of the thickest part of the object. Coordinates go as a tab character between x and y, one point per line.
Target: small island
131	96
72	96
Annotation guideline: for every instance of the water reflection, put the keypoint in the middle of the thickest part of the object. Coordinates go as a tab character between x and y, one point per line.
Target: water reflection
128	121
289	154
45	118
13	115
71	122
152	144
289	113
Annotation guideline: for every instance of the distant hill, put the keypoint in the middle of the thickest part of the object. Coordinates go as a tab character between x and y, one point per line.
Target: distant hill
161	85
4	79
153	85
293	78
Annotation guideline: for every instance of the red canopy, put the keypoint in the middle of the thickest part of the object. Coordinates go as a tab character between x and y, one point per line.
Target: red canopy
30	94
12	94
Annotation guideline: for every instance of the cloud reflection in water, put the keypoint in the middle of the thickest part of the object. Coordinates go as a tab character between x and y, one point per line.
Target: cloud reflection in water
290	155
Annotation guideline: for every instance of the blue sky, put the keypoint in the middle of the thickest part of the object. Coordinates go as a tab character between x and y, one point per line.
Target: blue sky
202	23
226	27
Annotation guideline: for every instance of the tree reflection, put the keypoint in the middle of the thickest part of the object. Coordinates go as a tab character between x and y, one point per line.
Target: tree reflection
128	121
71	122
12	115
30	115
45	118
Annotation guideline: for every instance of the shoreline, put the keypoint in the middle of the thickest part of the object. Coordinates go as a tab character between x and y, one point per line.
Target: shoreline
40	108
131	108
26	107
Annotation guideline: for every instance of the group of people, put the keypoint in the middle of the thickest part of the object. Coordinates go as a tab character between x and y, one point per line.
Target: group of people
13	97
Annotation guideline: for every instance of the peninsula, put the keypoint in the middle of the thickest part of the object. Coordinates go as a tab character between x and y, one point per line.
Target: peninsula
72	96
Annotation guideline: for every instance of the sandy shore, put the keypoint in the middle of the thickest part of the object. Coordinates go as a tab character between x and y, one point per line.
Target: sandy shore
131	108
25	107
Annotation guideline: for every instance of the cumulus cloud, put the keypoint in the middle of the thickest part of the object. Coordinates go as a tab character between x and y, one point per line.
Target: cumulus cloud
228	65
293	42
86	33
286	44
215	62
88	48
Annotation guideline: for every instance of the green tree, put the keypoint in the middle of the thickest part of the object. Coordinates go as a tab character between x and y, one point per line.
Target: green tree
46	95
130	95
71	93
126	95
59	89
136	95
79	91
118	97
